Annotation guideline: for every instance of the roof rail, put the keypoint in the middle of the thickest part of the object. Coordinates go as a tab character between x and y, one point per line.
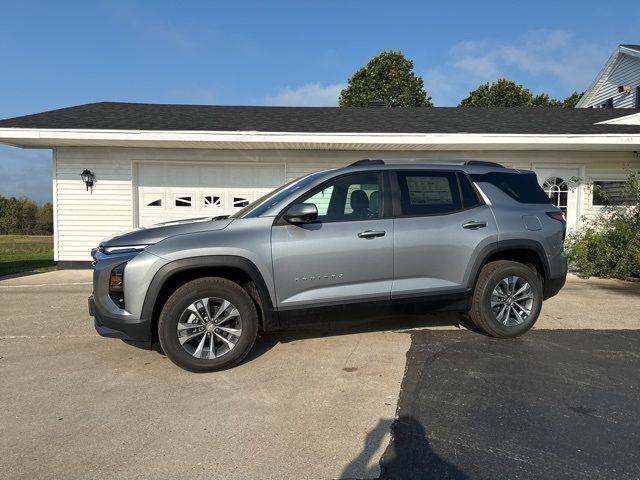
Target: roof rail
482	163
366	161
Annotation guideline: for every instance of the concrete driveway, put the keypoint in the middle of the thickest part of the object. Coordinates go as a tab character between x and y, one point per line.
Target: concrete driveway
314	403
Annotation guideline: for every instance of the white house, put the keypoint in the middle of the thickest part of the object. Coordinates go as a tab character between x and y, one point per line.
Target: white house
154	163
618	83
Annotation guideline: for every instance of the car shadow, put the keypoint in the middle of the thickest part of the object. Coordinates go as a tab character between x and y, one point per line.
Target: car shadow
381	322
384	321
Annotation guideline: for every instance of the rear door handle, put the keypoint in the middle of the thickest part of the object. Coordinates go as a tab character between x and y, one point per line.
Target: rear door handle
473	225
372	233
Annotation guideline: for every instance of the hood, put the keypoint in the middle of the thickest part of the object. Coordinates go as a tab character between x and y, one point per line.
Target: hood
156	233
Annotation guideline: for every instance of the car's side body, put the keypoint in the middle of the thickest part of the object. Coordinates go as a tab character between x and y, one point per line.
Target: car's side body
292	269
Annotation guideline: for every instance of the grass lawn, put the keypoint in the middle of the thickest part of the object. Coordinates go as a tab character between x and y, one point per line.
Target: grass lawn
25	253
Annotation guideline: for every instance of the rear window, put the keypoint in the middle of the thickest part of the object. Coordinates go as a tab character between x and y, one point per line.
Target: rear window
522	187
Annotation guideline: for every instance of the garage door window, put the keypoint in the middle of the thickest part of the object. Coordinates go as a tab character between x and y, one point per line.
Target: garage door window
240	202
183	201
212	201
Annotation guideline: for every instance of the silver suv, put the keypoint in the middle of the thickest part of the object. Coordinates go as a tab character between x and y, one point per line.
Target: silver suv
471	237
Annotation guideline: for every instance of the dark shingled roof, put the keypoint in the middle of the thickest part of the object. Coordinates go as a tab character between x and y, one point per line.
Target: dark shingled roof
141	116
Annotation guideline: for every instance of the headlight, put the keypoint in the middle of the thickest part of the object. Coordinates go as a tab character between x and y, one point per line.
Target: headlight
116	285
124	249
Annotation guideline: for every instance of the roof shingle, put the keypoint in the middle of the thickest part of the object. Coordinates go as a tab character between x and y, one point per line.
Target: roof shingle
140	116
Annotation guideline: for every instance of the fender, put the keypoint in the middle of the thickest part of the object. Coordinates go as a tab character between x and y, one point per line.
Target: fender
487	251
270	315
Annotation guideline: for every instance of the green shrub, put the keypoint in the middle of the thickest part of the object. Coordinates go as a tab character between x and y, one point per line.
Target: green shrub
608	246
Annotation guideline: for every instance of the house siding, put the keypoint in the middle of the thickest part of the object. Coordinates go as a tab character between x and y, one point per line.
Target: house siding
84	218
626	71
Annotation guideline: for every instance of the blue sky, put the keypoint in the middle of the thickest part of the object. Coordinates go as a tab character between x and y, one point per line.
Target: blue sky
63	53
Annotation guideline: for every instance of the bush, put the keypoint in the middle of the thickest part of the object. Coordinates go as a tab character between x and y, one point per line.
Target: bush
609	245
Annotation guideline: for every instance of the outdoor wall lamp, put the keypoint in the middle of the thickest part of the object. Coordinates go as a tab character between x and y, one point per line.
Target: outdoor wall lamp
88	178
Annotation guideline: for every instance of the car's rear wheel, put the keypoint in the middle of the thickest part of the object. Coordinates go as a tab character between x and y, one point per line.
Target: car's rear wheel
507	299
208	324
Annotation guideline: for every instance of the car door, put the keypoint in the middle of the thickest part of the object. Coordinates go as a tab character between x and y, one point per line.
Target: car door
440	223
344	256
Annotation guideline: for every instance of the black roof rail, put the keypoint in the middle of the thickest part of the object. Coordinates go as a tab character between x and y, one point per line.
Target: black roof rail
366	161
482	163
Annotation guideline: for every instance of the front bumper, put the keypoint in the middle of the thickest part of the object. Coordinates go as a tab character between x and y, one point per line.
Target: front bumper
111	320
125	328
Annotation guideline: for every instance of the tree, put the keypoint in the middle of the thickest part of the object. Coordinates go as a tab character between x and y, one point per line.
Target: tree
507	93
501	93
571	100
388	77
44	218
23	216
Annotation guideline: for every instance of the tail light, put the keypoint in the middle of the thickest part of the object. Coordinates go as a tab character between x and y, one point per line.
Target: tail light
559	216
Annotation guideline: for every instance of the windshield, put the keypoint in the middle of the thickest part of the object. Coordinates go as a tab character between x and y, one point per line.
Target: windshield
264	203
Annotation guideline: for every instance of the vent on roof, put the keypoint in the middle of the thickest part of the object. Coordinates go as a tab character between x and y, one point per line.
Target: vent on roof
377	104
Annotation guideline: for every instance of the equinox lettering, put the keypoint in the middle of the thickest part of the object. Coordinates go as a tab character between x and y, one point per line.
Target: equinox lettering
332	276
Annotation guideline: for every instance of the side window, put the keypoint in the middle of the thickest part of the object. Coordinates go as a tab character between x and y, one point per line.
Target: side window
428	193
351	197
321	200
469	196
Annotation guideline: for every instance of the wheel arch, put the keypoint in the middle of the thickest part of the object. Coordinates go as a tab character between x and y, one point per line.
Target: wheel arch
237	269
528	252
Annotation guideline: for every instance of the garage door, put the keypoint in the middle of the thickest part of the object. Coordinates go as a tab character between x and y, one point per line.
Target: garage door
168	192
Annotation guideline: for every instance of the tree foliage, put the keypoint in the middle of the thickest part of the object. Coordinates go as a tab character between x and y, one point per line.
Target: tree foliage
23	216
572	99
388	77
507	93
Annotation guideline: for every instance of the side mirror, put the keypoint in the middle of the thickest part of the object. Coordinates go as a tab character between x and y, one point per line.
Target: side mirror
301	213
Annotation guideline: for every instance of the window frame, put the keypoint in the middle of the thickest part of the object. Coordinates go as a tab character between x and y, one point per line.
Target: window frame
397	192
386	211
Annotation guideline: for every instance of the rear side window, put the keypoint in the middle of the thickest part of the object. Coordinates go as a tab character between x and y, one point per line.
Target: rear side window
428	193
522	187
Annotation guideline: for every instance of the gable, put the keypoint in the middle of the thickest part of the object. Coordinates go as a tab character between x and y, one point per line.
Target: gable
622	69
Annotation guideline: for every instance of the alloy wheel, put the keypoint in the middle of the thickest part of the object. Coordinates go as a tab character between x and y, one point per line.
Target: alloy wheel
209	328
512	301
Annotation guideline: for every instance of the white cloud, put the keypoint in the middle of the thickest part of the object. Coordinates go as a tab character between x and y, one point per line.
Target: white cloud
308	95
551	57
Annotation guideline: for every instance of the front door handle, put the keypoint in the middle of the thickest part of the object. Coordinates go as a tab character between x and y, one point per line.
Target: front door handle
473	225
372	234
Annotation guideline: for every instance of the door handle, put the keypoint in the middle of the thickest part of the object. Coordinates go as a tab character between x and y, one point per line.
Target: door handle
372	234
473	225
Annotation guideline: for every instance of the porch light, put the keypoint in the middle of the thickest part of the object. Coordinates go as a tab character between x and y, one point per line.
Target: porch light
88	178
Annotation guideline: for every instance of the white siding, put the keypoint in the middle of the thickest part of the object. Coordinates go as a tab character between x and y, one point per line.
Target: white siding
626	71
83	218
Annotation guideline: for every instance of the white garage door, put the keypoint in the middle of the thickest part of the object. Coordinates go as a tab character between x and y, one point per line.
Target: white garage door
169	192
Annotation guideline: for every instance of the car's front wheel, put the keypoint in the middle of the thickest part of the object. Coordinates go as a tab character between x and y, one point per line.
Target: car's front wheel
208	324
507	299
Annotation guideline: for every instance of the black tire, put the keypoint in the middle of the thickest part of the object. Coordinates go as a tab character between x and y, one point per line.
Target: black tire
481	312
191	292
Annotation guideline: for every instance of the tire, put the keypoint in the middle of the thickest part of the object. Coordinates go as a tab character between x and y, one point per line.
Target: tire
186	307
500	321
